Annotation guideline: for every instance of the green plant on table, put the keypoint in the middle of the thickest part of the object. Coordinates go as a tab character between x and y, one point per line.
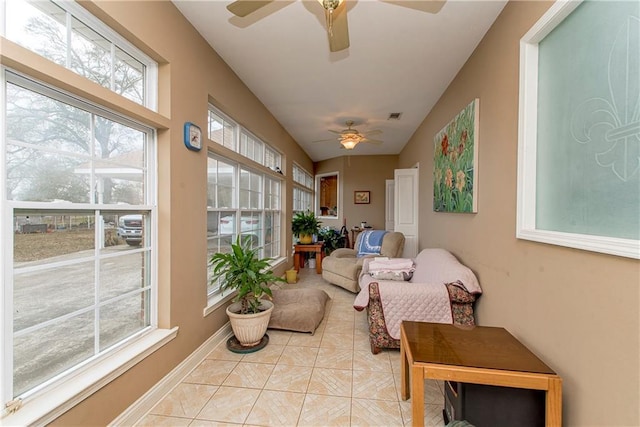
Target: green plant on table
305	223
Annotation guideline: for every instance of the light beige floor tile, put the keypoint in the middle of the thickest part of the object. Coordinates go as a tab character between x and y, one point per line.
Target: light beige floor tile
161	420
289	378
432	414
210	371
332	382
185	400
325	411
339	327
433	395
222	353
374	385
366	412
334	358
343	341
361	342
209	423
299	356
276	408
251	375
229	404
279	337
364	360
301	339
270	354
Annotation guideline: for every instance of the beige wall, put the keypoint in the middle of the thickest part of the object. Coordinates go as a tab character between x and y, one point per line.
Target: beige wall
360	173
575	309
191	75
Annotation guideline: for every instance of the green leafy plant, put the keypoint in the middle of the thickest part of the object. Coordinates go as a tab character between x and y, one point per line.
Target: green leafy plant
332	239
305	223
243	271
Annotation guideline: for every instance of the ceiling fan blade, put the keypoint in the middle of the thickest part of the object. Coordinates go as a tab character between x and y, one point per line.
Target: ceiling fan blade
325	140
335	131
373	132
372	141
429	6
339	31
242	8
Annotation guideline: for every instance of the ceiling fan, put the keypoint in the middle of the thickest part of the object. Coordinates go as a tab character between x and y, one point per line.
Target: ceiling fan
350	137
336	15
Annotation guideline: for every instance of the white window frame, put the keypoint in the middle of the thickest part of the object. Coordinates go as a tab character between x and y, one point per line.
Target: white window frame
214	297
46	402
303	185
527	145
150	98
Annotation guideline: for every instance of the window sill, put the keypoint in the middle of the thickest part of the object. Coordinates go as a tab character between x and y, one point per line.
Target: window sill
45	407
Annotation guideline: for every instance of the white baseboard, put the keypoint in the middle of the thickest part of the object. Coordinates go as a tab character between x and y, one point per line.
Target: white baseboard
147	401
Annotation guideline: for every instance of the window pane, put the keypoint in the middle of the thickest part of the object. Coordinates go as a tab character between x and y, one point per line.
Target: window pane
38	26
52	292
129	77
39	176
121	274
220	178
251	228
47	123
46	352
123	318
90	54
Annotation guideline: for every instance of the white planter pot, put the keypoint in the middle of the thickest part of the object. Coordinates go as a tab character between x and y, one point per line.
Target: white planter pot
249	328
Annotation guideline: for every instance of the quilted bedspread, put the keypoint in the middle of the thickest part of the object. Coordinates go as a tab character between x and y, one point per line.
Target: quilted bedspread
423	299
407	301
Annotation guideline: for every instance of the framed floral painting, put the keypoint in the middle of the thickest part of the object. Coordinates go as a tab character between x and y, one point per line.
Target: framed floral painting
455	173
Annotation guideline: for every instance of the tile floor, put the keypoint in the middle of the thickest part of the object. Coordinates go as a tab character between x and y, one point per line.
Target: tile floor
326	379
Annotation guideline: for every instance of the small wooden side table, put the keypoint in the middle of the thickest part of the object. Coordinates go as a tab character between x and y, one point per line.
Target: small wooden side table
480	355
314	247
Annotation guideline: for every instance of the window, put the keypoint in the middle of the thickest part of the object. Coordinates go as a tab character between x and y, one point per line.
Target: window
80	193
68	35
302	190
578	170
241	201
224	131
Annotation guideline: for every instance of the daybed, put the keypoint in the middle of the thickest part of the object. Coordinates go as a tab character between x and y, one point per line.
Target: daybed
343	266
441	290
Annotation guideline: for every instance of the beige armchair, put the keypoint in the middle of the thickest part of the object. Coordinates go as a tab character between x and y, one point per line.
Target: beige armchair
343	267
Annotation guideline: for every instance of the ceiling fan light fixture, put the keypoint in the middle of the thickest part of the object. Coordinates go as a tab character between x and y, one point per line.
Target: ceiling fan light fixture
349	143
330	4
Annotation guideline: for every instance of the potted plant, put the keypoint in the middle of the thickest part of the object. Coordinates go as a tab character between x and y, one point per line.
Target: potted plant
241	270
304	226
332	239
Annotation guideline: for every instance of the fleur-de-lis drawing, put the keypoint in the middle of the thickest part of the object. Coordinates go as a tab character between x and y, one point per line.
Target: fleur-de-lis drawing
614	124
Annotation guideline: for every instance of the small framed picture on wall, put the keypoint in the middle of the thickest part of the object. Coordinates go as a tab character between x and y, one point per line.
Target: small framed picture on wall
361	197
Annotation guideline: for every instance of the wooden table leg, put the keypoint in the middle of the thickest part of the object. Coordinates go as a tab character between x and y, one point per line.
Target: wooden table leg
319	261
554	403
405	392
296	261
417	396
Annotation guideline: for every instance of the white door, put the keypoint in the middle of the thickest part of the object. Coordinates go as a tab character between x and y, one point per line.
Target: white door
389	205
406	209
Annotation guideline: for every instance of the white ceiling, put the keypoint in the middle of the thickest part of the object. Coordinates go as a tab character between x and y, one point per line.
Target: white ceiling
400	61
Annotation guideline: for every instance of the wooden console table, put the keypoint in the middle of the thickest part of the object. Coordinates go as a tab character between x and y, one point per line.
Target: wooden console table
298	261
479	355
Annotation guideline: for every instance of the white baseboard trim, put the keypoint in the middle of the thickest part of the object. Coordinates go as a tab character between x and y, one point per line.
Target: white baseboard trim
147	401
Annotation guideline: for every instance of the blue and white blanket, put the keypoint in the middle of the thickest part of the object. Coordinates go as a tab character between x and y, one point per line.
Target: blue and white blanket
370	242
